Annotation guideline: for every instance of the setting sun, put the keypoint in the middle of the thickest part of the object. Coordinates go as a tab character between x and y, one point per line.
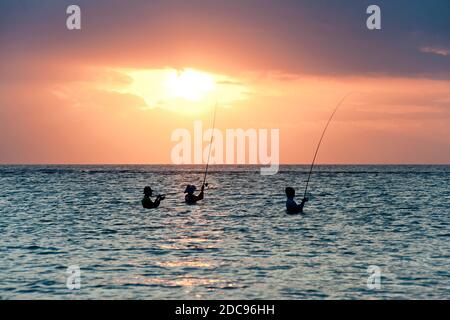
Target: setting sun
186	91
189	84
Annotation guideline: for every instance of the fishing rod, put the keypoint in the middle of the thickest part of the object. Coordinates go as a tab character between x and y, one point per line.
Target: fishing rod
210	144
320	141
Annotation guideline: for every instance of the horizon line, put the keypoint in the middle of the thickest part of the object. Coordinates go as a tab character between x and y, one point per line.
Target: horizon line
229	165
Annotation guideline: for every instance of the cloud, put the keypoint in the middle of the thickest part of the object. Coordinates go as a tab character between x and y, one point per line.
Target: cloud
436	50
299	37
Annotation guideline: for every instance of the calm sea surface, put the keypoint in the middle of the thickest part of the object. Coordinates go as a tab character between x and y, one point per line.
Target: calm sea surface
237	244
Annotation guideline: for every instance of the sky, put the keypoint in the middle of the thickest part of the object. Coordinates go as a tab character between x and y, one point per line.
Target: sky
116	90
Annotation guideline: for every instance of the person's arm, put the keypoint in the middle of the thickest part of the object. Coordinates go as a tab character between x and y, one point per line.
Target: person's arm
302	204
201	194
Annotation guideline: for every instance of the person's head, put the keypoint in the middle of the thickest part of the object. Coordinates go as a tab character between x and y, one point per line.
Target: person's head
190	189
148	191
290	192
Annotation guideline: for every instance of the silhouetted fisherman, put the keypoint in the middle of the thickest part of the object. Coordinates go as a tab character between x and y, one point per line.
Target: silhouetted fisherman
147	202
291	206
190	197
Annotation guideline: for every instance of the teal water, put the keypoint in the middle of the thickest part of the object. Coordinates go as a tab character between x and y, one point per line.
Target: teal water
238	244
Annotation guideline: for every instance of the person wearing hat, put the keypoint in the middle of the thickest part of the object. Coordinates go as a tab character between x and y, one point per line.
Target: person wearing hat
291	206
147	202
190	197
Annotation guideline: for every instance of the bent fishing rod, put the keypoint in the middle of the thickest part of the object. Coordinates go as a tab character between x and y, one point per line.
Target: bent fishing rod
210	145
320	141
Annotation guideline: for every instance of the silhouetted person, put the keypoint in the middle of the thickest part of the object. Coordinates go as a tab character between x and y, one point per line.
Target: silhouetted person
291	206
147	202
190	197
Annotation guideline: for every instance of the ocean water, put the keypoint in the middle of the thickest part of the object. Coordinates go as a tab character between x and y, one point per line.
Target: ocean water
239	243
